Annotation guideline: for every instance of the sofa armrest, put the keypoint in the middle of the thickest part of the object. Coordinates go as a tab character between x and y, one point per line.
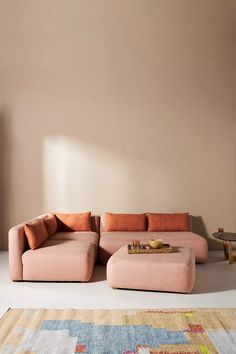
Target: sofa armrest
17	245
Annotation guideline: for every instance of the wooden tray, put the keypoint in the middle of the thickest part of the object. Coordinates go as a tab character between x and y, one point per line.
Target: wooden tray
166	248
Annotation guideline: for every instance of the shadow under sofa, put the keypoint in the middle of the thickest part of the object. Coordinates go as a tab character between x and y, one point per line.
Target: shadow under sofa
64	256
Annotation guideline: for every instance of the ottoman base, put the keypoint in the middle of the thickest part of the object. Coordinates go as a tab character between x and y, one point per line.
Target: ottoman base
172	272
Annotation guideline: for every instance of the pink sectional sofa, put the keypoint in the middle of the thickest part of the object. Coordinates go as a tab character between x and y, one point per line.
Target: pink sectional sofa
71	255
65	256
111	242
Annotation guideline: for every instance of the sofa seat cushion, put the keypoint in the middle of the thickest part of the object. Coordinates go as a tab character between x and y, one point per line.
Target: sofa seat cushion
59	260
88	236
110	242
145	271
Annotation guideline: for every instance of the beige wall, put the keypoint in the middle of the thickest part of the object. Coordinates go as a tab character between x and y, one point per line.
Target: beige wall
118	105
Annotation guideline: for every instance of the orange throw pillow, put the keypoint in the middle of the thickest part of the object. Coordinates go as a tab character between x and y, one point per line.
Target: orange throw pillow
50	223
73	222
36	233
125	222
168	222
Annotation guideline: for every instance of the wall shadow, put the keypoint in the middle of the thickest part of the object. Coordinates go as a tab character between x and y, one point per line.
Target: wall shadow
4	177
199	227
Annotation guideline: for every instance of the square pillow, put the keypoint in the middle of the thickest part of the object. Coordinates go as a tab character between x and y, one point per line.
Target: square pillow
124	222
36	233
73	222
50	223
168	222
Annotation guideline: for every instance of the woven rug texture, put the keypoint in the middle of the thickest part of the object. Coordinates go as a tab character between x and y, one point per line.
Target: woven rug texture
148	331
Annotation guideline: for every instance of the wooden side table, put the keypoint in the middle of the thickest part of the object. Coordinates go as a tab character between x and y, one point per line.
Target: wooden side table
227	238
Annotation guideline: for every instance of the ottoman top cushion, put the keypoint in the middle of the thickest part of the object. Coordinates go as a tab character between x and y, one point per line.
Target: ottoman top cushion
181	255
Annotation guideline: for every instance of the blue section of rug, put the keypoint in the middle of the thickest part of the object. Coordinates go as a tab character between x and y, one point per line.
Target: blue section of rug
115	339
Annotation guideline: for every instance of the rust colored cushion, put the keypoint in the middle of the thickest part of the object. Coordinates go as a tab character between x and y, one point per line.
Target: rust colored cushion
73	222
125	222
168	222
36	233
50	223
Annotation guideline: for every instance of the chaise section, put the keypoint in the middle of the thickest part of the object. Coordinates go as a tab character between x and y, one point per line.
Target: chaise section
62	264
110	242
60	260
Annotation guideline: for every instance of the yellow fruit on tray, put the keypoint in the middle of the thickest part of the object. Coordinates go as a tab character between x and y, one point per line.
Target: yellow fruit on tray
155	243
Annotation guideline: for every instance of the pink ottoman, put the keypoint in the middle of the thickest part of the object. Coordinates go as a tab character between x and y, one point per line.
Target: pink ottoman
173	272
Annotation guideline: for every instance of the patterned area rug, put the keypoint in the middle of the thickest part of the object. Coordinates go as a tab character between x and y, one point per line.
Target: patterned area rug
175	331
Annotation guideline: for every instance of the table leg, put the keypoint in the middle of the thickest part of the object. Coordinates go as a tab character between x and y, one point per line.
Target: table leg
228	252
229	246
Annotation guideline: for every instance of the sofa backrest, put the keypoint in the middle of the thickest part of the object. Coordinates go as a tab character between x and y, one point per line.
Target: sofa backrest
102	223
95	221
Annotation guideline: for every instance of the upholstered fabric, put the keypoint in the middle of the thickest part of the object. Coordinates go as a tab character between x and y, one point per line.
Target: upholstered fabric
73	222
50	223
168	222
17	245
95	223
125	222
87	236
36	233
59	260
110	242
174	272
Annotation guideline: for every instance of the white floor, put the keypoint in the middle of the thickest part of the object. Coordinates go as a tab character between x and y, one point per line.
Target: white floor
215	287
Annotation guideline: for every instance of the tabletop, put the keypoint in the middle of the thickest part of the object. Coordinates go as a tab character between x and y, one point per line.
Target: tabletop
225	236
